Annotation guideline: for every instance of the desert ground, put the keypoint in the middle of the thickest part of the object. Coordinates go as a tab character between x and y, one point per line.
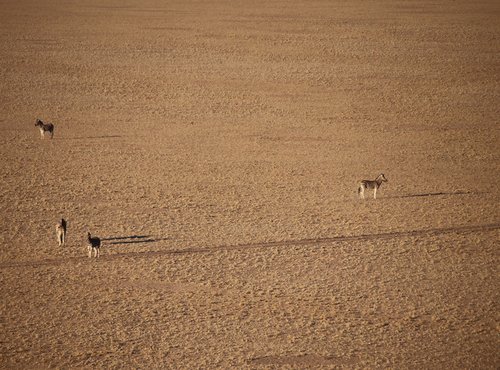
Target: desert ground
216	147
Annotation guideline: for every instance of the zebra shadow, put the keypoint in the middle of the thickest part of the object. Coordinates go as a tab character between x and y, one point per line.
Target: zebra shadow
435	194
131	239
91	137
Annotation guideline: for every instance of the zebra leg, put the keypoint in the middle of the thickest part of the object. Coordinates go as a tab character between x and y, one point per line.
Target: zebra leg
361	191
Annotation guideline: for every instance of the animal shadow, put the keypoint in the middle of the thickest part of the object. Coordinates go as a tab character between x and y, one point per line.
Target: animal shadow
131	239
441	193
92	137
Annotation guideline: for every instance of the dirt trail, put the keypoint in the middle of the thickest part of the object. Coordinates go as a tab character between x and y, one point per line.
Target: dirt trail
284	243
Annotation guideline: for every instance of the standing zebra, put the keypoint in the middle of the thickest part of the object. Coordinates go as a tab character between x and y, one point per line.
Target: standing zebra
94	244
43	127
371	184
61	232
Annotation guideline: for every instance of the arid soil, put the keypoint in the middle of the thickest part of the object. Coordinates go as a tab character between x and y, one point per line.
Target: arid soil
215	147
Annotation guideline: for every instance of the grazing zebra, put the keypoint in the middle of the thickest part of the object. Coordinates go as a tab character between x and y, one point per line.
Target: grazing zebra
44	127
94	244
61	232
371	184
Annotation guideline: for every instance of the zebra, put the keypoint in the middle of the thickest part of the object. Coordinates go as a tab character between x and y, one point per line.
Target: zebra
49	127
371	184
94	244
61	232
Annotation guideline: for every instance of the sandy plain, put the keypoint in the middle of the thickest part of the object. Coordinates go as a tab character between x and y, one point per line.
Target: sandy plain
215	147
